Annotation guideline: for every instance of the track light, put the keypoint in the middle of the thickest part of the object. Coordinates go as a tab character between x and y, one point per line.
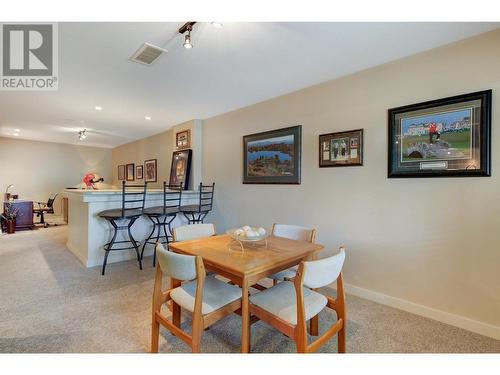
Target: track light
82	134
187	40
186	29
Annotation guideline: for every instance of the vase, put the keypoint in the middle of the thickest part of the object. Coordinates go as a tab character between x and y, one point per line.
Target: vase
11	226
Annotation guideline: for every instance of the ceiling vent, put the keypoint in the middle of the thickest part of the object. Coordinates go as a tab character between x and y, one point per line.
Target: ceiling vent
147	54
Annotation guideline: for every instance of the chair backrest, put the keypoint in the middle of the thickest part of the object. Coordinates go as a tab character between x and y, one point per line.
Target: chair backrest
133	196
50	203
172	196
178	266
206	197
294	232
193	232
319	273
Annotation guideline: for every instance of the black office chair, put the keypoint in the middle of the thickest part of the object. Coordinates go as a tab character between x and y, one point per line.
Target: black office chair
44	208
133	198
196	213
162	216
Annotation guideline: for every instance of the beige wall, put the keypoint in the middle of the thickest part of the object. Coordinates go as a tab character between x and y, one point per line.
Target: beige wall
39	169
432	242
160	147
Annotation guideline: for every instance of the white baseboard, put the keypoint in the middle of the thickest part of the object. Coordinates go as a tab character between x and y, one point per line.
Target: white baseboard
428	312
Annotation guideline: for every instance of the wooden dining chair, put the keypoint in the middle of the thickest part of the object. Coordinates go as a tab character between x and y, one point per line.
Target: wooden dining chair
288	305
293	232
193	232
207	298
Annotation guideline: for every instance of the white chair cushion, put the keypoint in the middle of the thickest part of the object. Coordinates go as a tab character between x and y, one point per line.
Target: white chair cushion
216	294
286	274
193	232
281	301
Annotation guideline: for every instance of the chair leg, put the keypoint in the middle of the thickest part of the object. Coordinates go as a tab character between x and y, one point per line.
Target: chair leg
149	237
155	335
134	242
105	262
341	339
109	246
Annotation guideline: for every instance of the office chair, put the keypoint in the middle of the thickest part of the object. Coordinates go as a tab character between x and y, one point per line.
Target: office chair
44	208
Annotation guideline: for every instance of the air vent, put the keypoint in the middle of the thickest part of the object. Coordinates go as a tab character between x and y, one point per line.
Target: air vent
147	54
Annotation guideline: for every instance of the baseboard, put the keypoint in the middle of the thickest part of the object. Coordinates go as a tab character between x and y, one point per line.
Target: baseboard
425	311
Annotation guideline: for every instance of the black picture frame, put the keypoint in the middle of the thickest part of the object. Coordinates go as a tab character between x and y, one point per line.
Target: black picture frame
130	169
292	144
139	172
422	152
150	170
180	169
353	149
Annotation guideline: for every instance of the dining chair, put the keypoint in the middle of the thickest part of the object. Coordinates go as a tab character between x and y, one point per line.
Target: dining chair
293	232
288	305
193	232
207	298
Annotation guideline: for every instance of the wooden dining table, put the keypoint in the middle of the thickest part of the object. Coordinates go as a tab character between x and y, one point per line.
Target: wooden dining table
245	267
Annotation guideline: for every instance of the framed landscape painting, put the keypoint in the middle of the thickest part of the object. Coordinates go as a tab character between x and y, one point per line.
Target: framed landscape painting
273	157
440	138
181	168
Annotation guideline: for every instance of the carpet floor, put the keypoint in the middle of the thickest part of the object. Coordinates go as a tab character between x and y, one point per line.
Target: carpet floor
49	302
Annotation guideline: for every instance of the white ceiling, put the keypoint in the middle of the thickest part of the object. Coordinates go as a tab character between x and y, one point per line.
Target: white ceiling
229	68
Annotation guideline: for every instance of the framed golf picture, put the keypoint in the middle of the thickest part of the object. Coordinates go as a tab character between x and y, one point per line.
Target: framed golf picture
447	137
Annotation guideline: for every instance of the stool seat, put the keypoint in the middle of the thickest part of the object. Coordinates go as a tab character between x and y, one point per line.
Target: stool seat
194	208
161	211
117	213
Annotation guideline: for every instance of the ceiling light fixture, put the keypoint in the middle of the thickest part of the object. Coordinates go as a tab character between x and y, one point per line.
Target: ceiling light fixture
217	25
148	118
187	28
16	134
82	134
98	108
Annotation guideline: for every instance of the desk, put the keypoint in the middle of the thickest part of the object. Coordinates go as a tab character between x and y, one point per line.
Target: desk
24	218
245	268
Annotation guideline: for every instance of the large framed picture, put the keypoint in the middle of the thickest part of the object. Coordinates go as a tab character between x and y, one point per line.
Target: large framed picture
441	138
150	168
121	172
130	172
181	168
182	139
341	149
273	157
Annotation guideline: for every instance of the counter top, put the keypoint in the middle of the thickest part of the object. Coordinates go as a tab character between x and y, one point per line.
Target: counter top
118	191
115	195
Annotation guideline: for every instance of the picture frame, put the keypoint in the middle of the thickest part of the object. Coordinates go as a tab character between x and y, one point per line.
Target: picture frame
130	170
183	139
341	149
139	172
121	172
447	137
150	169
180	169
273	157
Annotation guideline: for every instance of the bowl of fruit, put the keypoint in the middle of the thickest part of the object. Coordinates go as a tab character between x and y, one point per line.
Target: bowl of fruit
248	234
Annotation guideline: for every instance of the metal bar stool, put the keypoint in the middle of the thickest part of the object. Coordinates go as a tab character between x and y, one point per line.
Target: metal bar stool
162	216
133	198
196	213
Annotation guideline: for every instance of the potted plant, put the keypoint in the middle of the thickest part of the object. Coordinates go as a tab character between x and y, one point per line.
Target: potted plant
10	215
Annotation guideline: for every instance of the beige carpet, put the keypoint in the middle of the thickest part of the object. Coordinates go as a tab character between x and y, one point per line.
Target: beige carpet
51	303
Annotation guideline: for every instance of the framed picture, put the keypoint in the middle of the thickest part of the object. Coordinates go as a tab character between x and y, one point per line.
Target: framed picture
440	138
273	157
181	168
183	139
139	172
341	149
121	172
150	168
130	172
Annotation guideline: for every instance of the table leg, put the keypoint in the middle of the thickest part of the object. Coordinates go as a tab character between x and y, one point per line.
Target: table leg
176	309
245	319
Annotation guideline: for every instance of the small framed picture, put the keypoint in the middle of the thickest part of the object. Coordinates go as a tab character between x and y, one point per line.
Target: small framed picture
182	139
130	172
440	138
139	172
121	172
151	168
341	149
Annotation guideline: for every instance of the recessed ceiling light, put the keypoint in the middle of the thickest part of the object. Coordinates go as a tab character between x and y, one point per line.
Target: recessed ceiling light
217	25
17	130
98	108
16	134
148	117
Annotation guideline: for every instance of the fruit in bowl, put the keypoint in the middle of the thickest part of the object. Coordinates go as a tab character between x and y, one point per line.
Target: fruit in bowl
249	233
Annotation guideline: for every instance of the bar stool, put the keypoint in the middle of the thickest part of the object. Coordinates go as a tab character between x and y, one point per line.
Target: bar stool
162	216
196	213
133	198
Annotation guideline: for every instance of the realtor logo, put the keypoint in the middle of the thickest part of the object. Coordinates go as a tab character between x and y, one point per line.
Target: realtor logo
29	57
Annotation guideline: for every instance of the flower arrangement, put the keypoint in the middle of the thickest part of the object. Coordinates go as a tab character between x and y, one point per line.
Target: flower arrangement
10	213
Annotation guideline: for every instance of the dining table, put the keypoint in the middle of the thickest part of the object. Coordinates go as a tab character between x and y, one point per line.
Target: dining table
245	264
